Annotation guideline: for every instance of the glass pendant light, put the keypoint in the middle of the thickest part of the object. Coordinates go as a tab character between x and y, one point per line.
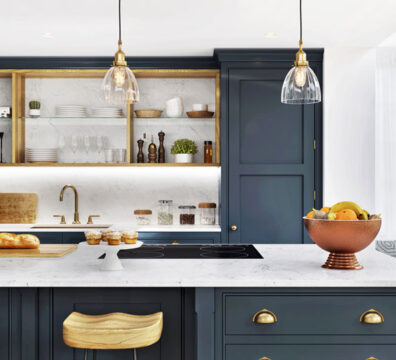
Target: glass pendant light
119	84
301	86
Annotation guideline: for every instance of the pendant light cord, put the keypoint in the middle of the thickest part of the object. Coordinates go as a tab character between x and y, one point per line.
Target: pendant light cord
300	20
119	20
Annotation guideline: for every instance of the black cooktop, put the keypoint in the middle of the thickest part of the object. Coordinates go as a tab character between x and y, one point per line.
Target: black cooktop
191	252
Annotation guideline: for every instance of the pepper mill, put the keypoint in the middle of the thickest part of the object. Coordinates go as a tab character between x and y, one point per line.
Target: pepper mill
140	155
152	152
161	149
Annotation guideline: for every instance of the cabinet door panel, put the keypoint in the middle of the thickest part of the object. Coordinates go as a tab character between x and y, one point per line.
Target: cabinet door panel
271	159
132	301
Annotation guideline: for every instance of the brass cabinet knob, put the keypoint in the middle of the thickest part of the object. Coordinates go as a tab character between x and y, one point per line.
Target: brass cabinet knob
372	317
264	358
90	218
264	317
175	243
371	358
63	220
234	227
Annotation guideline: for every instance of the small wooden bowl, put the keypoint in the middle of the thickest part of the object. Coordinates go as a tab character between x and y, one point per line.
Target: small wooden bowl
200	114
342	238
148	113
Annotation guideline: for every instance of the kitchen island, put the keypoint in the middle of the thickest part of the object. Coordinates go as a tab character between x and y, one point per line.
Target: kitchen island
208	304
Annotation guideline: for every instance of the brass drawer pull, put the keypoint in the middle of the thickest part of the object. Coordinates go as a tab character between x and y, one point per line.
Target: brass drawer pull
372	317
372	358
264	317
265	358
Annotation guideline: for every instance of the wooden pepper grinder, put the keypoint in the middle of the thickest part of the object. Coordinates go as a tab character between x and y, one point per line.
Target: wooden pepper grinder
161	149
152	152
140	155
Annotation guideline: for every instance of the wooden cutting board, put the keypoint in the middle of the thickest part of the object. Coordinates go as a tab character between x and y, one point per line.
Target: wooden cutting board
45	250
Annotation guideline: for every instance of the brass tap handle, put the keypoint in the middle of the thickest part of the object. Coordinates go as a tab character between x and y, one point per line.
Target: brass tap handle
234	227
372	317
63	220
90	218
264	317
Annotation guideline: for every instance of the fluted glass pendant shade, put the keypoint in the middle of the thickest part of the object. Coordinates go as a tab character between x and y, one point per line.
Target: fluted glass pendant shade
301	86
119	84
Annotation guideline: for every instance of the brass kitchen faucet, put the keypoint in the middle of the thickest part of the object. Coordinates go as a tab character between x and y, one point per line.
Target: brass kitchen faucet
76	215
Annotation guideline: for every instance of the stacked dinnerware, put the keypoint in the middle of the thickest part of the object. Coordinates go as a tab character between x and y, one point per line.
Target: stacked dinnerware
106	112
48	155
71	111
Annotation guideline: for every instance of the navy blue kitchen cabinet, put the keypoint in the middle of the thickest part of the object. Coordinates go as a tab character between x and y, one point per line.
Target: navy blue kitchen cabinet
146	237
311	324
271	152
31	321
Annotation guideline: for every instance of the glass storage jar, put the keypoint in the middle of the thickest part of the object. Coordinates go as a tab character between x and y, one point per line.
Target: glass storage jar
143	216
165	212
207	213
187	214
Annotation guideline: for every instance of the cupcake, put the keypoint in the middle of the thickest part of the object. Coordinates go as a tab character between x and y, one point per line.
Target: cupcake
129	236
114	238
105	234
93	237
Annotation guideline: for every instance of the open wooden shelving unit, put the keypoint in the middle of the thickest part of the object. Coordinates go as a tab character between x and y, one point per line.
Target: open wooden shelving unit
19	118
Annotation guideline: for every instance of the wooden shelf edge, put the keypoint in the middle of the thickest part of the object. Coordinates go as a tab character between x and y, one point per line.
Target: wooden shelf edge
108	165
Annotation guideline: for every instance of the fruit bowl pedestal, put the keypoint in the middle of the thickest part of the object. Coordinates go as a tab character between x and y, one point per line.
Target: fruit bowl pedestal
342	238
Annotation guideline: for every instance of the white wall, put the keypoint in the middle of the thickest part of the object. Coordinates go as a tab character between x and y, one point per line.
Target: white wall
349	124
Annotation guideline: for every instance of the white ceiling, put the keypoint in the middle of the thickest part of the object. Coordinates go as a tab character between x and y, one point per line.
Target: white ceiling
187	27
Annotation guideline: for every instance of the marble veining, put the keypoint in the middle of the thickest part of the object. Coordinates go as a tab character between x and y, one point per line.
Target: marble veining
282	266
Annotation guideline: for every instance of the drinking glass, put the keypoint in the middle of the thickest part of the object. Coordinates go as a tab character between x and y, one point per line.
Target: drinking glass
74	146
108	153
61	146
99	147
87	144
119	155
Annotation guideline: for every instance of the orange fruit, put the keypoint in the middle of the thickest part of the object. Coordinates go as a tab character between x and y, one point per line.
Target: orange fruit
346	214
310	215
325	209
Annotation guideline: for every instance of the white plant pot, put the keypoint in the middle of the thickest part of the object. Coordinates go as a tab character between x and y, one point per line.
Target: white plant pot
183	158
34	113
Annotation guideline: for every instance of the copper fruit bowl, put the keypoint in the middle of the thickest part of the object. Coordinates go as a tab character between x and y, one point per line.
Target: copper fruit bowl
342	238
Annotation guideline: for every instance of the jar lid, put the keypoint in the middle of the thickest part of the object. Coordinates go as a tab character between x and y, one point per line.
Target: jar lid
165	201
207	205
207	142
187	207
142	212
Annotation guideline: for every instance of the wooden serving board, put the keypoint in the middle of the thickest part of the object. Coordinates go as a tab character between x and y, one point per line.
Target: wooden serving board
45	250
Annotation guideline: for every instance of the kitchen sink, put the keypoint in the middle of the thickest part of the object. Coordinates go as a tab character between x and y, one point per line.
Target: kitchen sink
71	226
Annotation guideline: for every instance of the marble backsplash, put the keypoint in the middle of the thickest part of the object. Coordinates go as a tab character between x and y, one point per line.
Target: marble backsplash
112	192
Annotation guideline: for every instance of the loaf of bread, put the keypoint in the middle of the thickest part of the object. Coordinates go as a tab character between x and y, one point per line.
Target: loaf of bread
23	241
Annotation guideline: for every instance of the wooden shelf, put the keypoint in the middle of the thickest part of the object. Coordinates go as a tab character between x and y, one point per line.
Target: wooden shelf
109	164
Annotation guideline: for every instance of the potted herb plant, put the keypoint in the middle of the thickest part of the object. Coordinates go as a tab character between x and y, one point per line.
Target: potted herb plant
184	150
34	109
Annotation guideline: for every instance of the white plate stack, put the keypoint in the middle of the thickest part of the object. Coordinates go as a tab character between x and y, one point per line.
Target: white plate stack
47	155
108	112
71	111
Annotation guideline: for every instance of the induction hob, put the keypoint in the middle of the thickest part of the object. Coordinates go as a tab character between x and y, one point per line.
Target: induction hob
191	252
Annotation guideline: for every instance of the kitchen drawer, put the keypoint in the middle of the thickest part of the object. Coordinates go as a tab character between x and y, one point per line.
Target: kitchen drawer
310	352
314	314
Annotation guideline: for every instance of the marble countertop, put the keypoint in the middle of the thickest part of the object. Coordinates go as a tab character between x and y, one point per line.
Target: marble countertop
142	228
282	266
